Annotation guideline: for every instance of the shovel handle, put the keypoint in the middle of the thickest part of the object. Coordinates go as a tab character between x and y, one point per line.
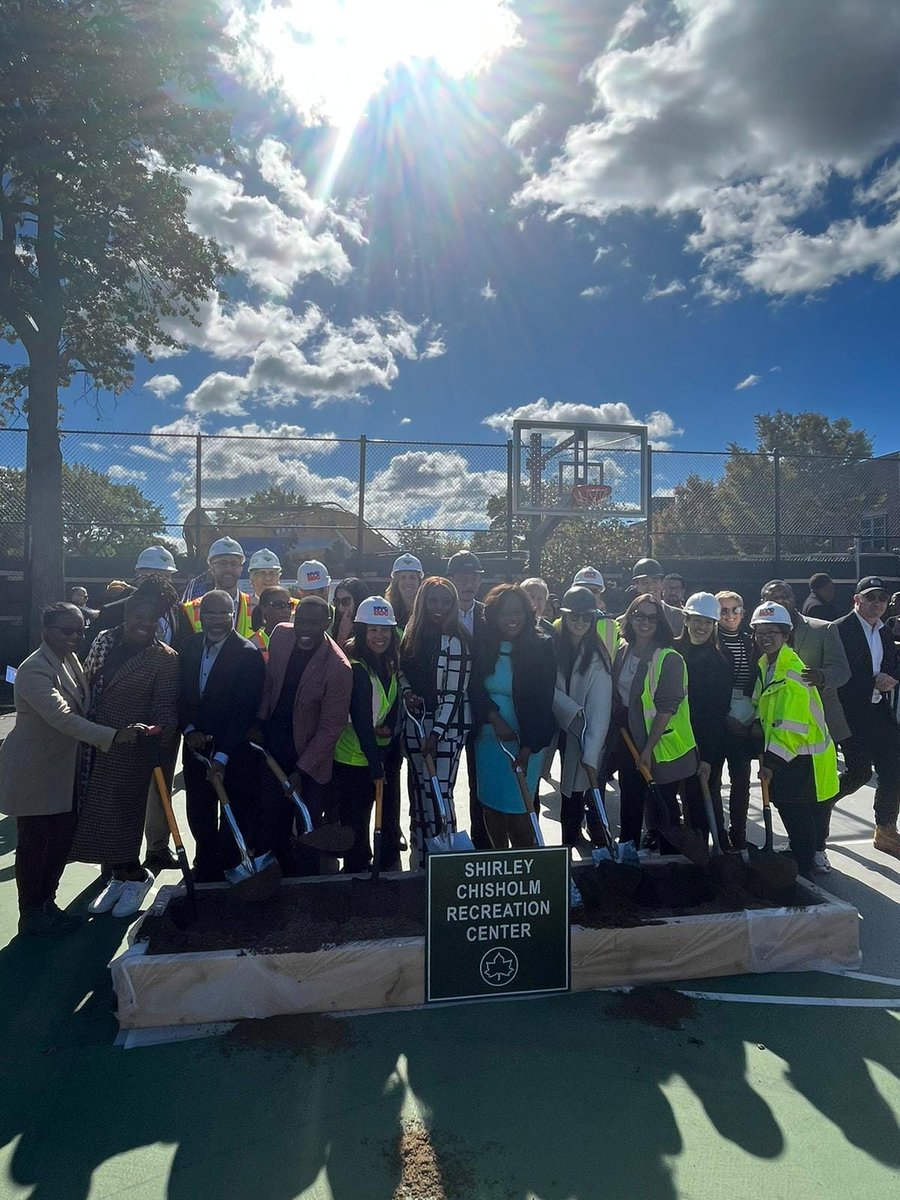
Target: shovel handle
376	838
163	789
635	754
767	808
710	815
286	786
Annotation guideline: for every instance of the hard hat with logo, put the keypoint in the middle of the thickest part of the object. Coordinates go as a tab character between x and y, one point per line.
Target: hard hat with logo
646	567
407	562
225	545
312	576
579	600
264	560
702	604
375	610
770	613
155	558
588	577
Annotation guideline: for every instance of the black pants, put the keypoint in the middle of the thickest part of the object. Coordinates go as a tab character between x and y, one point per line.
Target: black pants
874	746
276	820
800	822
509	830
633	797
477	830
42	849
216	848
355	793
739	756
692	800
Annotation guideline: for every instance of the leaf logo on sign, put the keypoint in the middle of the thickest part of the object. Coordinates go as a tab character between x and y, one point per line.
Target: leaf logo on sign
499	967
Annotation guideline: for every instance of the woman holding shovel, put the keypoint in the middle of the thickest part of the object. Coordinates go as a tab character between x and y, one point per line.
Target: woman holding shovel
361	757
651	689
583	699
799	764
512	689
434	664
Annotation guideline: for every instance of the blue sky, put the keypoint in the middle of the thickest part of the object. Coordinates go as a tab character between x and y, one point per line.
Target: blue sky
449	212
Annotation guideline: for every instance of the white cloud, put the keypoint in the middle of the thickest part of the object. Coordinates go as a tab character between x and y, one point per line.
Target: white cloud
592	293
521	135
743	112
660	425
273	248
163	386
670	289
219	392
749	382
406	420
119	474
434	349
487	292
437	487
774	368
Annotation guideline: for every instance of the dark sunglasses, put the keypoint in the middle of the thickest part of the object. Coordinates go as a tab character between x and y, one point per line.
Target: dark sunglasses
644	618
278	604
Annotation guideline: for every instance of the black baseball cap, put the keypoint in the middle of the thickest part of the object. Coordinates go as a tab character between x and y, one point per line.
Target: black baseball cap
871	583
464	560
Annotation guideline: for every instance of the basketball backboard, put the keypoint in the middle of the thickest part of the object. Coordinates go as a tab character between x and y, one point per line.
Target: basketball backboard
580	470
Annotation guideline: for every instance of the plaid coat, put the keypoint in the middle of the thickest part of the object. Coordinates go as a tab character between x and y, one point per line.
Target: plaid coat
145	689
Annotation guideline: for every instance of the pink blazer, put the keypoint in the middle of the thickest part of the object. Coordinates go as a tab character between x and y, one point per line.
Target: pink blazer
322	702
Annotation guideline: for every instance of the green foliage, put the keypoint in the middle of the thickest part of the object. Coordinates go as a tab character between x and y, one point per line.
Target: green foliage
101	519
262	507
414	538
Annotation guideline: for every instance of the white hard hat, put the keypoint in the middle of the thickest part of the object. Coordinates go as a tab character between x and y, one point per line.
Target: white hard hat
702	604
155	558
313	576
771	614
588	577
264	560
375	610
225	545
407	562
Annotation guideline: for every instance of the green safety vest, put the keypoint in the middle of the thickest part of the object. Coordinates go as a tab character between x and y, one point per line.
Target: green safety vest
678	737
348	749
793	719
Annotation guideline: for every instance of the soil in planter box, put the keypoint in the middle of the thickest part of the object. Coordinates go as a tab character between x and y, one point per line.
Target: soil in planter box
307	916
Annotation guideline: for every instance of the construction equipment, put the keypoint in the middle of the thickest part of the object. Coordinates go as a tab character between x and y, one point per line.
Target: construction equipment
328	839
449	839
253	878
686	841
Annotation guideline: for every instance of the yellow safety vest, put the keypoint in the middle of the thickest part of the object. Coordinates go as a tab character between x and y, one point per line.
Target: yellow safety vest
678	736
242	624
348	749
793	719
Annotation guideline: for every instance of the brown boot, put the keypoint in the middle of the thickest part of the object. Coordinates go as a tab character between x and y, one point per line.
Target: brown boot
887	840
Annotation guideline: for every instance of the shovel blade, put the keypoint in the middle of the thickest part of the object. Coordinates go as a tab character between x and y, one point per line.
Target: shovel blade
258	882
328	839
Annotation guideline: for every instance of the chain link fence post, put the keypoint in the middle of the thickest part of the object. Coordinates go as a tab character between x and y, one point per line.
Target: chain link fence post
776	500
198	502
509	511
648	527
361	506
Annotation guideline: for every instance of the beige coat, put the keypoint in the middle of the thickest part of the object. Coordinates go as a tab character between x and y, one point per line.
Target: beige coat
590	693
38	758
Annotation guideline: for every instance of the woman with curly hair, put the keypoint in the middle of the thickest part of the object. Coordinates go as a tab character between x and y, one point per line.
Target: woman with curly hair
133	678
512	690
435	664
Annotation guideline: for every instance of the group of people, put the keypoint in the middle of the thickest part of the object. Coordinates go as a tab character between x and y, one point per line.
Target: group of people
339	686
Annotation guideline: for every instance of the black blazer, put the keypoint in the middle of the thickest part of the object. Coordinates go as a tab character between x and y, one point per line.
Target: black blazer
856	694
227	709
534	683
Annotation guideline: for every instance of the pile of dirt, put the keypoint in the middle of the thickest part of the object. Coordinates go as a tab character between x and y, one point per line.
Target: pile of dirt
307	915
304	1035
655	1005
428	1171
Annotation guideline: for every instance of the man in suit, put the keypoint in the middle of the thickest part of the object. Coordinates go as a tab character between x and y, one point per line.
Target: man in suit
222	677
875	744
465	573
305	708
819	645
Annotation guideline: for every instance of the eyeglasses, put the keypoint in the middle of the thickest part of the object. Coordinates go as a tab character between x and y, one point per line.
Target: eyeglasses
643	618
584	618
731	612
278	604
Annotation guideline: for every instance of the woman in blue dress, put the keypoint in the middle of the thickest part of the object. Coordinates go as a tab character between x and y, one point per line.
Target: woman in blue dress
512	686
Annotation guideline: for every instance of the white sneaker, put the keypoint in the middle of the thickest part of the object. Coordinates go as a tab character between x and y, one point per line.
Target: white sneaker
134	892
820	862
108	898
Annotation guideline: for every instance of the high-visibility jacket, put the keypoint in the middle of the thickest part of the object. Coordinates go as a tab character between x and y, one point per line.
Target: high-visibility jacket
793	720
242	624
348	750
678	737
260	640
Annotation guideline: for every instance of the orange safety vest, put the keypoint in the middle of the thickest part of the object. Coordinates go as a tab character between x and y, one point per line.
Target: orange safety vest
242	624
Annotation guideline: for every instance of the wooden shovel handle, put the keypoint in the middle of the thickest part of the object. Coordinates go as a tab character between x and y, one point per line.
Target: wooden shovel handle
635	754
379	802
163	789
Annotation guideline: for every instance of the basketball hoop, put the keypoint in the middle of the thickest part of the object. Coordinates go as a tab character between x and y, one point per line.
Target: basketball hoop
590	495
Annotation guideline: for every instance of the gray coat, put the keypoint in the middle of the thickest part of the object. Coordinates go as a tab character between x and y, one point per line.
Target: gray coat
670	691
818	644
37	760
591	693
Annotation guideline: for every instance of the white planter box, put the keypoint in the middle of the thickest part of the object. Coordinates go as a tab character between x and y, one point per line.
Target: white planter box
226	985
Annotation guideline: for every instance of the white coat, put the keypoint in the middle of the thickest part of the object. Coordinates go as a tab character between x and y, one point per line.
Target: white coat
39	757
592	693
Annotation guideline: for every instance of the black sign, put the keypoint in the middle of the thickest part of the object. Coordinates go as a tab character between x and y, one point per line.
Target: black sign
498	923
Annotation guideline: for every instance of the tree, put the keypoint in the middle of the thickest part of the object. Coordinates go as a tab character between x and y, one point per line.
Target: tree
100	518
826	479
414	538
104	105
260	508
